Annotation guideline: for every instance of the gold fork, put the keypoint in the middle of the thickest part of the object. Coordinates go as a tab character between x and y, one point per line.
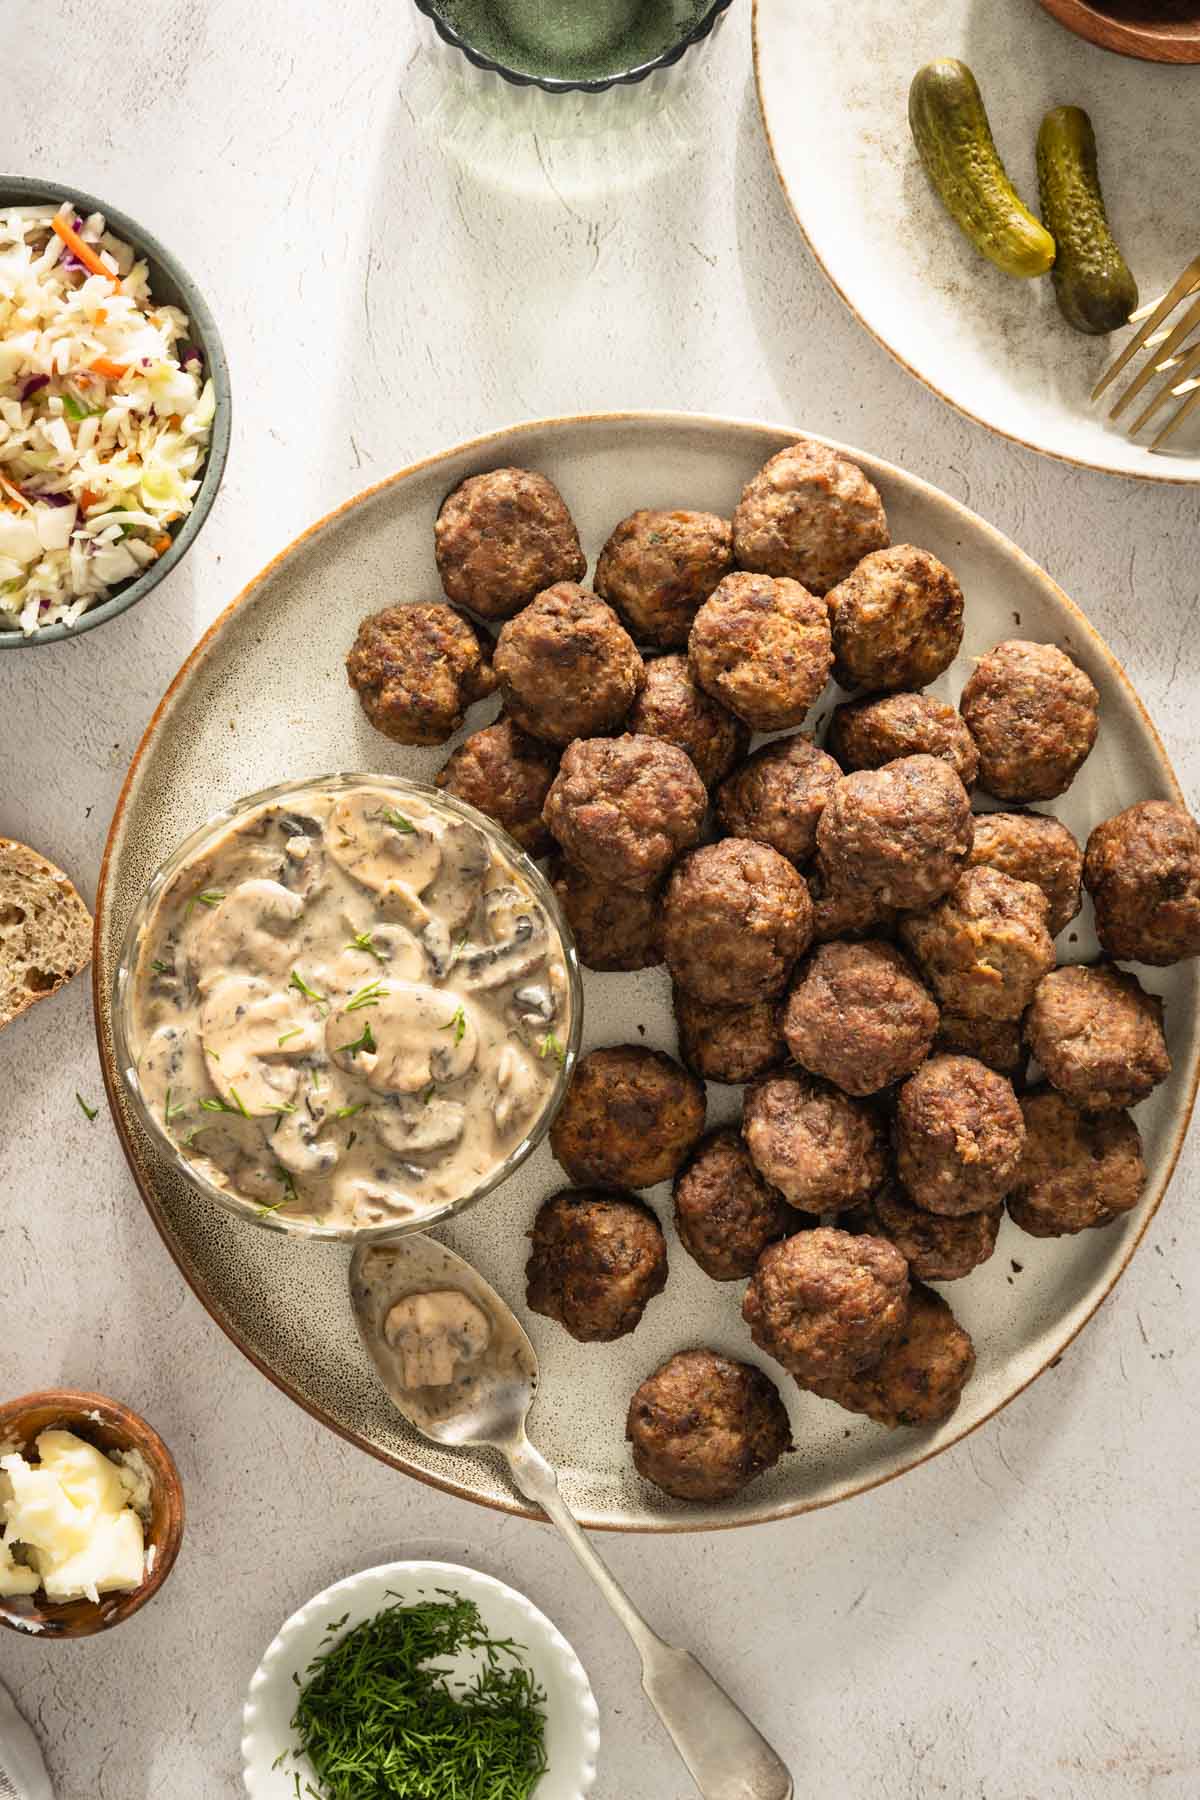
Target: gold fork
1169	352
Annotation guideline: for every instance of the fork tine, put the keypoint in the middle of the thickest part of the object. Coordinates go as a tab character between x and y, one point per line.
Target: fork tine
1189	406
1190	362
1182	288
1160	359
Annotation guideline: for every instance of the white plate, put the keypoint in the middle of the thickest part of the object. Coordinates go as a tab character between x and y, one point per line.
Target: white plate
572	1718
833	84
264	696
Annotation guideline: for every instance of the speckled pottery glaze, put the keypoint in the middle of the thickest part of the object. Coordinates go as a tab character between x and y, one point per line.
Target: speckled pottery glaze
572	1716
171	285
263	697
995	347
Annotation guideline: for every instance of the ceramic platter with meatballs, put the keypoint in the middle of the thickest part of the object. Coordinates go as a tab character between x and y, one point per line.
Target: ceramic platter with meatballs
807	1188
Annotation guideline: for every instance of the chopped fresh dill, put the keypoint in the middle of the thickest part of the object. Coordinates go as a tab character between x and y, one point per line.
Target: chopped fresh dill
285	1106
370	995
90	1112
348	1112
362	941
296	1031
301	986
316	1081
398	822
550	1046
379	1713
160	968
211	1053
172	1112
458	1025
430	1091
365	1042
210	897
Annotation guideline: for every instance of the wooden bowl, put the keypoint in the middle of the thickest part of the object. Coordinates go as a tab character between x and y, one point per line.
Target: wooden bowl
1165	31
108	1426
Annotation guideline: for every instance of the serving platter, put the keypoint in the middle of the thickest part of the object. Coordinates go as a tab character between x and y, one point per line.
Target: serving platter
264	696
833	88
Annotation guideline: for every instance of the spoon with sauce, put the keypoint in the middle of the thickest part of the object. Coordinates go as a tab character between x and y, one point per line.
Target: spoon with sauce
457	1364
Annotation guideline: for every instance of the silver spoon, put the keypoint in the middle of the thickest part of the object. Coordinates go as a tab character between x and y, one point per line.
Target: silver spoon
487	1404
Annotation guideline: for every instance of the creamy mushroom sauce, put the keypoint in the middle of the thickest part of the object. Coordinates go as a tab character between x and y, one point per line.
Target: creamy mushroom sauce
349	1007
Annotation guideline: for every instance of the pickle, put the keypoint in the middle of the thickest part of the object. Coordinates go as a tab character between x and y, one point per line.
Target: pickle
1096	291
950	126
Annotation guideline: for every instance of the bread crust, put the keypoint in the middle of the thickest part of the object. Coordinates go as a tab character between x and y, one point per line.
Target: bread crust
45	929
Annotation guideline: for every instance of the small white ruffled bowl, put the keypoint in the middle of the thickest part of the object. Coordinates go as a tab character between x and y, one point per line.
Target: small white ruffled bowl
572	1718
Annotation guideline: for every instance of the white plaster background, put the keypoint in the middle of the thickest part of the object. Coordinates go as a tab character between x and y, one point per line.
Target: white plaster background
1016	1621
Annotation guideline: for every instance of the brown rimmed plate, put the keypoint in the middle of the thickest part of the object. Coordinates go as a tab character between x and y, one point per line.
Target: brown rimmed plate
263	697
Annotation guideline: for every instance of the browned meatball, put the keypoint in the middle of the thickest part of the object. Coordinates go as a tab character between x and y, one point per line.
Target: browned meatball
852	912
613	927
725	1213
702	1426
901	833
868	733
1034	715
658	568
597	1259
501	538
808	513
1099	1037
822	1150
920	1377
728	1043
984	947
1079	1170
858	1015
996	1042
959	1136
672	706
507	775
778	795
567	667
935	1247
1143	873
897	621
416	669
630	1117
761	647
1031	847
623	808
735	917
826	1304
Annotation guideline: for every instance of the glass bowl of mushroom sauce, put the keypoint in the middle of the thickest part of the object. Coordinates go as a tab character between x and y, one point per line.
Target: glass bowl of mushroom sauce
348	1007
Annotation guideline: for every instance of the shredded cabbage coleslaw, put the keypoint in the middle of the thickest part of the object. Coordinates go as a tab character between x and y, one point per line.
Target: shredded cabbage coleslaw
105	416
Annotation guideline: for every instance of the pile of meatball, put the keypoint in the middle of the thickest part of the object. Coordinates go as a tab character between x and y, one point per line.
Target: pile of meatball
873	959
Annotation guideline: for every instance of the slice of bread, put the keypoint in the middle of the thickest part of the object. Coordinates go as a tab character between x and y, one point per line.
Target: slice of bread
45	929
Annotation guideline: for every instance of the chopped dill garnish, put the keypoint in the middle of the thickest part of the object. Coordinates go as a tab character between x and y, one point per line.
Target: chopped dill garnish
160	968
370	995
398	822
301	986
430	1091
296	1031
348	1112
210	897
285	1106
458	1025
550	1046
365	1042
90	1112
380	1714
362	941
172	1112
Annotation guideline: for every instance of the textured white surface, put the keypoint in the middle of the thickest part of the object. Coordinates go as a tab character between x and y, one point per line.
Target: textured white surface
1017	1621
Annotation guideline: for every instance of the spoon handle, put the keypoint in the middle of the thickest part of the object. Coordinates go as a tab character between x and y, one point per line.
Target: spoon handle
727	1757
